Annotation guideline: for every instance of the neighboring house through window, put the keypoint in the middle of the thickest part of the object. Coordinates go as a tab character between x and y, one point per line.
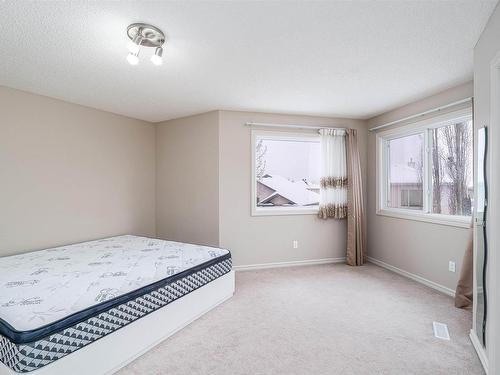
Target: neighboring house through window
411	198
286	173
425	170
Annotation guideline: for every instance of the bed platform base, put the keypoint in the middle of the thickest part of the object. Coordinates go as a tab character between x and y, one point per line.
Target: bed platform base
114	351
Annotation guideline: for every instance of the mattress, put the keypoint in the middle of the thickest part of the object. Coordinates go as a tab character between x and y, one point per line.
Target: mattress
56	301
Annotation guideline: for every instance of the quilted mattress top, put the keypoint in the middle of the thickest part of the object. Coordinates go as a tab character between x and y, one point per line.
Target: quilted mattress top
42	287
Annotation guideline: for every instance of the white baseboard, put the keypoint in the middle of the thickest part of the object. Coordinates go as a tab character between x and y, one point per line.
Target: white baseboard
296	263
481	353
419	279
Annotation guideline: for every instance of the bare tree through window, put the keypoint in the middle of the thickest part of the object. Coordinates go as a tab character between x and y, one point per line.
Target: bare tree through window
260	161
436	174
452	169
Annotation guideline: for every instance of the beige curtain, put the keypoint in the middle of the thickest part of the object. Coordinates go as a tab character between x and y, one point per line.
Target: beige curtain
333	183
355	211
463	294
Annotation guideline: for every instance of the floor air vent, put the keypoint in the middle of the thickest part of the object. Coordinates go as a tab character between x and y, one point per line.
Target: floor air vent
441	331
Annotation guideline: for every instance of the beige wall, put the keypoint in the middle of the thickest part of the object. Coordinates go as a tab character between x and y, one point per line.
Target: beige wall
268	239
486	50
187	191
423	249
71	173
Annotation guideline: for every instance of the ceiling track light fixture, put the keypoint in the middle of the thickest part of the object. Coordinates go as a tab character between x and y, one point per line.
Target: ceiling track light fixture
144	35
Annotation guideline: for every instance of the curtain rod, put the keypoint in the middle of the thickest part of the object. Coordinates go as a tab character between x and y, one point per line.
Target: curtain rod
294	126
421	114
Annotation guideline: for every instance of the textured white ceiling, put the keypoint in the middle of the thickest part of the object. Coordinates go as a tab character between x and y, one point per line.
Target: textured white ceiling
352	59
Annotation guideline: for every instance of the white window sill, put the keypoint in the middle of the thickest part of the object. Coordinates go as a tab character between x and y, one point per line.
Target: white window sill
280	211
449	220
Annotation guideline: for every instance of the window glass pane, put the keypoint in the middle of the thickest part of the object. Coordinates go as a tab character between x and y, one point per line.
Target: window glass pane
405	172
452	189
411	198
287	172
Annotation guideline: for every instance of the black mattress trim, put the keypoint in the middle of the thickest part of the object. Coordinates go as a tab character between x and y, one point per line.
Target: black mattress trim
24	337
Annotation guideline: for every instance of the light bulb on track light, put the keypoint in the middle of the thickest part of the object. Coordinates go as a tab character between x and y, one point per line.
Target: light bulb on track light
133	58
157	57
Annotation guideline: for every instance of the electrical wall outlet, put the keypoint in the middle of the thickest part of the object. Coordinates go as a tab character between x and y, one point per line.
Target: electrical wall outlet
295	244
451	266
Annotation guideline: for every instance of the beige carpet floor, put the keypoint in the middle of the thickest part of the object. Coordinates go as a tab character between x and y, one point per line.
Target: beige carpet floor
329	319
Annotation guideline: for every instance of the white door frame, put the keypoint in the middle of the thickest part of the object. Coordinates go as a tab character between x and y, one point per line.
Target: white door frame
493	221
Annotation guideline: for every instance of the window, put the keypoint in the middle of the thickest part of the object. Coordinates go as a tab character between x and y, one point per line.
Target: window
425	170
405	173
286	173
451	154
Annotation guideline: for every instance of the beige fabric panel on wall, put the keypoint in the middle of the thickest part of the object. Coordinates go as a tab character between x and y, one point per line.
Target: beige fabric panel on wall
356	235
463	295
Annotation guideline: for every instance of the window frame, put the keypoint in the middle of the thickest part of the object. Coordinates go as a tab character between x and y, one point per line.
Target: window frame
277	211
420	127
